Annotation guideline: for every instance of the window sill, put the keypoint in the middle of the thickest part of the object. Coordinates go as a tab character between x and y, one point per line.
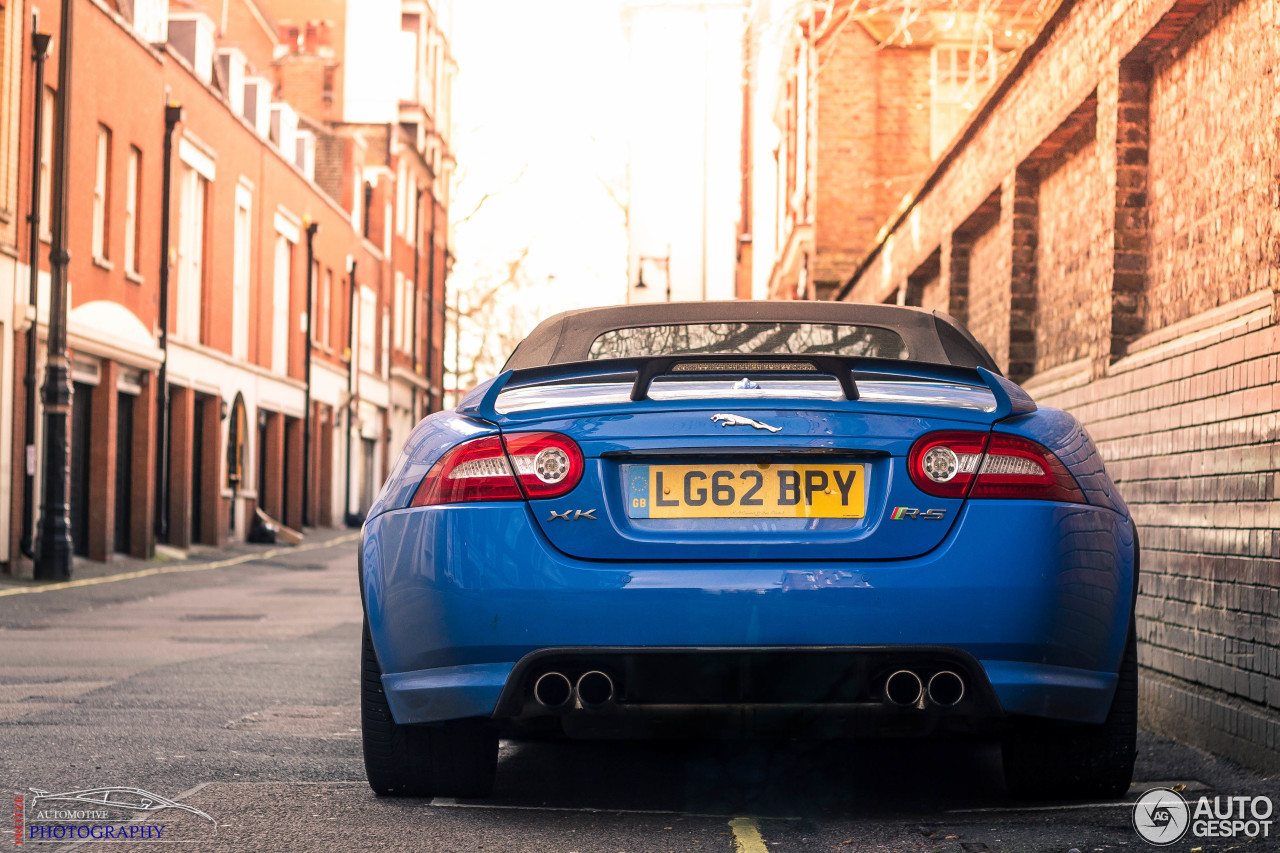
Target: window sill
103	263
132	276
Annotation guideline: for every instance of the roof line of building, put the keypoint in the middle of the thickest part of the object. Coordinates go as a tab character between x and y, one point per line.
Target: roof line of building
967	133
256	11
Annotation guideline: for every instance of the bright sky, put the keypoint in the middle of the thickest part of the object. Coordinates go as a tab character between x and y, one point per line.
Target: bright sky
541	91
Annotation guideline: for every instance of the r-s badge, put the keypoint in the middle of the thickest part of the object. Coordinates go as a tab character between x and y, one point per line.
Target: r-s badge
905	513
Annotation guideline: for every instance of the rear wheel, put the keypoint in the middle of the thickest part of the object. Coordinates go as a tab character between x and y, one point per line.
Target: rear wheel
458	758
1044	760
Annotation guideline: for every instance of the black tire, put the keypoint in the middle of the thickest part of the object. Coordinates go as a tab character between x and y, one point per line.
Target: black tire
458	758
1044	760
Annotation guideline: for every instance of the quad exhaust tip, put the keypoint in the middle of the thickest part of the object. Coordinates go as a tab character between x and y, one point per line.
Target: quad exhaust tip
946	688
553	691
595	691
904	688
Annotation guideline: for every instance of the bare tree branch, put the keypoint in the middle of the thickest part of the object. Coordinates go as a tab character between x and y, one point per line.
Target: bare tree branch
490	195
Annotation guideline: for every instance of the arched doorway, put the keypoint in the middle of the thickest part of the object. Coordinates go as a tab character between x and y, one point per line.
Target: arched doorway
237	435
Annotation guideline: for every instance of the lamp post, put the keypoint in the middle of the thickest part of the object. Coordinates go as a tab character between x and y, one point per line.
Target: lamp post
350	518
312	228
663	261
432	310
53	561
417	263
173	116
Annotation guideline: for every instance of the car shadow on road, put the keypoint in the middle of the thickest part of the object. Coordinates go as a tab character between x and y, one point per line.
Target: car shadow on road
786	778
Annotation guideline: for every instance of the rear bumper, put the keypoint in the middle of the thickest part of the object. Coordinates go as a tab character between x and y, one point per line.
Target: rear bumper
1038	595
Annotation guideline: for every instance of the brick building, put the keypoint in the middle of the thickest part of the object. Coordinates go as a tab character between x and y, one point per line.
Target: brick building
271	168
1108	224
845	107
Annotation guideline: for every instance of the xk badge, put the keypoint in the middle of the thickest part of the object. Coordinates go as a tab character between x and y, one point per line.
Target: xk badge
573	515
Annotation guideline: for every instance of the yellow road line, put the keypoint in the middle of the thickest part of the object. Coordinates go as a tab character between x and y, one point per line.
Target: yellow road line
746	836
179	569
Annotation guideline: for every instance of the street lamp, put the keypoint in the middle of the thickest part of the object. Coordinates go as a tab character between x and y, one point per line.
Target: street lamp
312	228
663	261
53	560
173	116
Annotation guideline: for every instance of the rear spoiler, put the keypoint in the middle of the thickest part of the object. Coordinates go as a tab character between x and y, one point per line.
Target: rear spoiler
641	372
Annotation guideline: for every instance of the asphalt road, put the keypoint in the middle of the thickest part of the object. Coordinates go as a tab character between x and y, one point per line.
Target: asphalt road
234	690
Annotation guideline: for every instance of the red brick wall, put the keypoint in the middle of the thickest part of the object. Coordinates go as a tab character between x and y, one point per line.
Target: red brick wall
989	289
902	125
1071	259
872	147
1212	183
1187	423
1133	271
847	167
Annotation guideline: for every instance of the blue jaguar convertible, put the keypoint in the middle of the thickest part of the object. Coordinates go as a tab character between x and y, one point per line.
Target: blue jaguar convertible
749	519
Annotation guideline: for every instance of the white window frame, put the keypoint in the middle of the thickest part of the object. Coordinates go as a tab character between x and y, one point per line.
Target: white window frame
406	321
46	165
241	272
368	328
281	285
199	173
132	189
399	311
326	308
101	194
402	188
386	230
191	253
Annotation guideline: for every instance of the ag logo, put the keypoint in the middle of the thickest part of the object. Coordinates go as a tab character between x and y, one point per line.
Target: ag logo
1161	816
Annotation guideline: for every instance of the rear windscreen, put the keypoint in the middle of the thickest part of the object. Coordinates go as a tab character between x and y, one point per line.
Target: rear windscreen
714	338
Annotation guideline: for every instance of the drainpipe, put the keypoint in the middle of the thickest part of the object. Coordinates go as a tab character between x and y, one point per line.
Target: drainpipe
417	256
313	228
172	118
350	518
39	52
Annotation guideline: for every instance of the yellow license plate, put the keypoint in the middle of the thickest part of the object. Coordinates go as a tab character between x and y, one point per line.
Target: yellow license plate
746	491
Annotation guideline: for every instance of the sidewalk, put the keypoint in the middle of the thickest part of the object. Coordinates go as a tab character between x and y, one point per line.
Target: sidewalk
82	568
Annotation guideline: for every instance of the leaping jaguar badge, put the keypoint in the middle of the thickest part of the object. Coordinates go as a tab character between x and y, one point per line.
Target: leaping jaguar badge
726	420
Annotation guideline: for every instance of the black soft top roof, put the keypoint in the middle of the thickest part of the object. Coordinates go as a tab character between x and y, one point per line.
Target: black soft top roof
930	336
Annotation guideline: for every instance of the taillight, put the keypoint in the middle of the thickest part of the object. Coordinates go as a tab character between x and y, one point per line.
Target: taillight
547	464
946	465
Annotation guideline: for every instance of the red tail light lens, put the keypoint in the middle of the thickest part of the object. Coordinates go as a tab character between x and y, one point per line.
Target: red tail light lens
1020	468
943	464
946	465
547	464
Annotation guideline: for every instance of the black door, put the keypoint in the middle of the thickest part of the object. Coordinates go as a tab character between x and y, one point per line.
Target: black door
197	469
124	471
81	432
370	447
262	463
284	487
